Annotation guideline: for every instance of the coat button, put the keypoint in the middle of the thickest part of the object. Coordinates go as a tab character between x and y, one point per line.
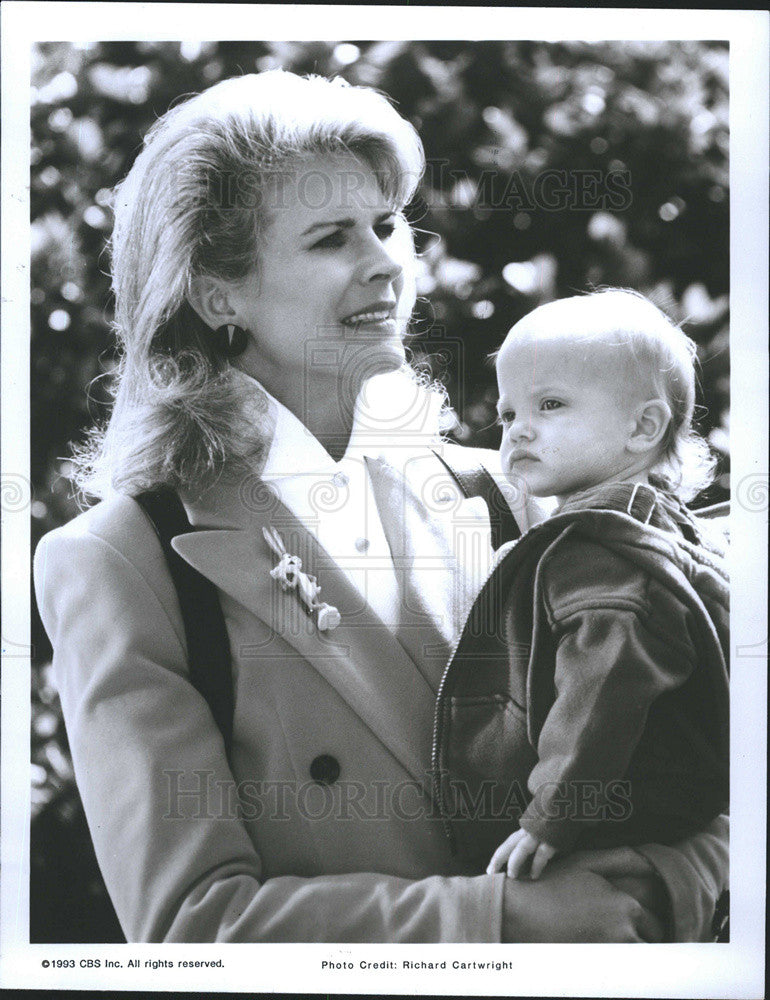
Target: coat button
325	769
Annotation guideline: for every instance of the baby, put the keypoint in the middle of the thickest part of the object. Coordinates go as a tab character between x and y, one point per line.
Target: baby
614	609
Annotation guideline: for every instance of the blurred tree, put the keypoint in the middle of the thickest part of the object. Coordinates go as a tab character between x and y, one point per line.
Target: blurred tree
552	168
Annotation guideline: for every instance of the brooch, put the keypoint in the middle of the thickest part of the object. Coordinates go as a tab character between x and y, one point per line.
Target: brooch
288	572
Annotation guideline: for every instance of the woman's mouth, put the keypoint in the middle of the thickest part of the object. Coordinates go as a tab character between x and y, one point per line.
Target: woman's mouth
370	317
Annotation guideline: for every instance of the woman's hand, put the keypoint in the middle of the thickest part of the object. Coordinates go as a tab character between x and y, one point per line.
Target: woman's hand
571	903
632	873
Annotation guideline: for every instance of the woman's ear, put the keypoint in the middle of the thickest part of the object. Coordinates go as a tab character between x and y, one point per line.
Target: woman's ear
651	421
209	299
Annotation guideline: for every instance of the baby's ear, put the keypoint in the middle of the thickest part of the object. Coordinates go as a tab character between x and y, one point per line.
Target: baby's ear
651	420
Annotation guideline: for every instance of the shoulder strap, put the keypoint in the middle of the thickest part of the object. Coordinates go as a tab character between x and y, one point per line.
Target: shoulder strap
713	512
208	647
476	481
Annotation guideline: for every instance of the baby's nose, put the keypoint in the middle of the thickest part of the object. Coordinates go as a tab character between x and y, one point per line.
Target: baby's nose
520	428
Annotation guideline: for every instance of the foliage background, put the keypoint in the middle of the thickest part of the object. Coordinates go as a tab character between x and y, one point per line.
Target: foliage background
494	117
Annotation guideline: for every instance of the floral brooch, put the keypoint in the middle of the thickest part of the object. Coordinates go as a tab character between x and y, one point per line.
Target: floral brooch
288	572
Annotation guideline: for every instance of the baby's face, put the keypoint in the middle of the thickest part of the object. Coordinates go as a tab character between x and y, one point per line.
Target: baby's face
566	414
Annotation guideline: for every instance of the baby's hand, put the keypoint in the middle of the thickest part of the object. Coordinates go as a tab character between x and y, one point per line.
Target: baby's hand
513	853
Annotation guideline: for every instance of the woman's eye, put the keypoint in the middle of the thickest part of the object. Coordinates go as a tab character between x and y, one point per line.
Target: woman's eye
338	237
385	229
332	241
551	404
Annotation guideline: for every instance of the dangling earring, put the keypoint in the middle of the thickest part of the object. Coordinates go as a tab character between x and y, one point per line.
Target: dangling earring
230	340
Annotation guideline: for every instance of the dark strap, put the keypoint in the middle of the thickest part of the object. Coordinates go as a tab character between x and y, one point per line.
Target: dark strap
716	511
208	647
720	927
476	481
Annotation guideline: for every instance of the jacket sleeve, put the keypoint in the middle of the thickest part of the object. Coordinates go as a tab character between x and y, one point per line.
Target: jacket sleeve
184	872
616	652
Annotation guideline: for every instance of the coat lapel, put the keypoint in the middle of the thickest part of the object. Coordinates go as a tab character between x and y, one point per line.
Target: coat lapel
439	544
361	658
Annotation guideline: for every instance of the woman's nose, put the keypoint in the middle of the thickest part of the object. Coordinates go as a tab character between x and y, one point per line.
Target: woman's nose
380	264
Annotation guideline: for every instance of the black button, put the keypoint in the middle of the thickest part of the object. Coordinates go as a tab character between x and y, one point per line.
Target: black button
325	769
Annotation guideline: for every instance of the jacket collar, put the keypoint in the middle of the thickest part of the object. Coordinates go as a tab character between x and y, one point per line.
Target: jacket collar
643	501
392	409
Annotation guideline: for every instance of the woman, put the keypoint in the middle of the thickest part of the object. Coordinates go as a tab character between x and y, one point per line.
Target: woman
263	275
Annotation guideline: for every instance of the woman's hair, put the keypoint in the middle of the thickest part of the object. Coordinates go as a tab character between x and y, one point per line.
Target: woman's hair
661	361
194	203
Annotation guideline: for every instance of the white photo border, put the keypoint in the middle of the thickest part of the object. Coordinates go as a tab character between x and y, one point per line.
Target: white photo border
684	970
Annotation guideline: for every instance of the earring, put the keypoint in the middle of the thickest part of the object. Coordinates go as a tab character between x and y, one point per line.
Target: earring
230	340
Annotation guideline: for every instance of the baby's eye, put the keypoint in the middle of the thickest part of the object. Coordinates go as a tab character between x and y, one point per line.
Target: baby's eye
506	417
551	404
332	241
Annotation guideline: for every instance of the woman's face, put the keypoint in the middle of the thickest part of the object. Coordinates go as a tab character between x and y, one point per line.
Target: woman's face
333	289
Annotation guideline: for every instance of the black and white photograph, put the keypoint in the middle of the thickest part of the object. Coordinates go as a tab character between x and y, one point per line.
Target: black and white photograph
384	499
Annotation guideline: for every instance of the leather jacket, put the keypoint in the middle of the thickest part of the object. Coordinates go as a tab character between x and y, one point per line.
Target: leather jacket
587	698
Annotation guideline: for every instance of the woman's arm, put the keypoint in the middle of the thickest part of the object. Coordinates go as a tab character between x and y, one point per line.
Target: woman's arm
694	872
692	875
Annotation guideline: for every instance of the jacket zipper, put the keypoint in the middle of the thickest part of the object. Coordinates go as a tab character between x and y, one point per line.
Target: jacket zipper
437	717
438	714
434	755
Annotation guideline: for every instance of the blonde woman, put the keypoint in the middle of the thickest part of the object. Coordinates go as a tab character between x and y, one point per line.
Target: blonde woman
263	276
